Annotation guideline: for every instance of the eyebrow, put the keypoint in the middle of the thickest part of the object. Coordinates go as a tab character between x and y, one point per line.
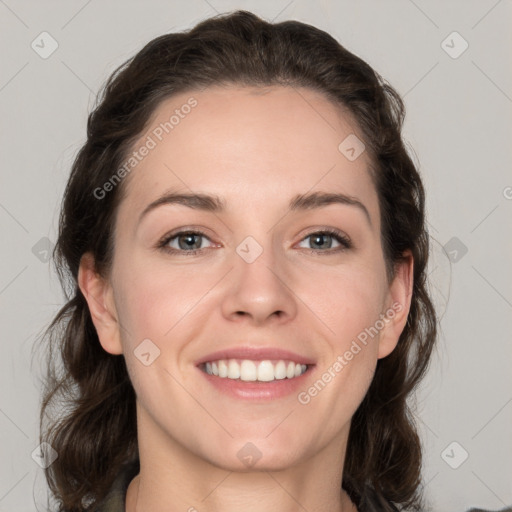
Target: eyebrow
214	204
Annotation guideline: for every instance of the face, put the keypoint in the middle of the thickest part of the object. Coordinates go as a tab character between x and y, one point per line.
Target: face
279	259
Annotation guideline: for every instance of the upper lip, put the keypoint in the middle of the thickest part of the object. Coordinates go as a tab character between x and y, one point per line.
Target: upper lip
256	354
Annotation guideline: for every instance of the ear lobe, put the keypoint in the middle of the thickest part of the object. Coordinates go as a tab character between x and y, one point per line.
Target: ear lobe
397	306
98	294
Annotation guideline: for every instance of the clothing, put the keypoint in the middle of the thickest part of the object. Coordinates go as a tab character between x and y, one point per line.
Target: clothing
115	501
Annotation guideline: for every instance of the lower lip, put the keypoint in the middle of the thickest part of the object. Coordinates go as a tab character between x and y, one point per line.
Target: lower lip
254	390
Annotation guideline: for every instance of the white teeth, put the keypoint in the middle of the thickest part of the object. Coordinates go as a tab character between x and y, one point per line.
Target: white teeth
223	369
280	370
290	370
233	369
248	370
266	371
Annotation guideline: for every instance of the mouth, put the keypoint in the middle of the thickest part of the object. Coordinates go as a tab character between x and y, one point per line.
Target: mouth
249	370
258	374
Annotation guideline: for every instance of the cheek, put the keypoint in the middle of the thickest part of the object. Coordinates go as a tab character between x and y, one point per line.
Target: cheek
152	302
161	306
348	300
349	304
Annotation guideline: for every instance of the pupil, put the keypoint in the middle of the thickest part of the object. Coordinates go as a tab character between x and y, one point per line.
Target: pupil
319	237
189	241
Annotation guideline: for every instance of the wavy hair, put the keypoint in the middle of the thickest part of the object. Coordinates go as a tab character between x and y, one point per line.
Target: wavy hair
88	407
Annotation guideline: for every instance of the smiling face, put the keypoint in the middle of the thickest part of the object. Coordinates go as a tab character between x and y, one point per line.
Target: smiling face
221	244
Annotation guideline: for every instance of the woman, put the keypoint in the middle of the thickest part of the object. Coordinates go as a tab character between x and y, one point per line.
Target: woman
243	237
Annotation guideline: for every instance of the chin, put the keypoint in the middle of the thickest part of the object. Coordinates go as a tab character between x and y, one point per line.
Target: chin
249	457
254	453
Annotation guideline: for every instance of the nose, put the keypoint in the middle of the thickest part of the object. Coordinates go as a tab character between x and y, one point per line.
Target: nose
260	291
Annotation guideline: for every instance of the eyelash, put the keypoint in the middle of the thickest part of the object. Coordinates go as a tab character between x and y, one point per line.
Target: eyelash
340	237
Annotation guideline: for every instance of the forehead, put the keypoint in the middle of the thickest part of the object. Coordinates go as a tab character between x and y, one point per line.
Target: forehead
258	144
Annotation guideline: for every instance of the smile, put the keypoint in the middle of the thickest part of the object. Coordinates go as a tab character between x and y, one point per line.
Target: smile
250	370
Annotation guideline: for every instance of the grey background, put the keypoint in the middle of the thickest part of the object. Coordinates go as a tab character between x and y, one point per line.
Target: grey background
459	124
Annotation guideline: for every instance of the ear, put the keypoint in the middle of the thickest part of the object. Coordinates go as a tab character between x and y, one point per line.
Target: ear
398	304
99	296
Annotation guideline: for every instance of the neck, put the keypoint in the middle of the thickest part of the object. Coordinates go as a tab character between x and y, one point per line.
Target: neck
173	478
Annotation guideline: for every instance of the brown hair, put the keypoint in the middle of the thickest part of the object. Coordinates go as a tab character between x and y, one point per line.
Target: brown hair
94	432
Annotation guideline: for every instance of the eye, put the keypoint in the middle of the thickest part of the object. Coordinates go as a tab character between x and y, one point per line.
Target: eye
189	242
322	241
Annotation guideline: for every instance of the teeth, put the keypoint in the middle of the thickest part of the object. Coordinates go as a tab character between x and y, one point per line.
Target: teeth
233	370
223	369
248	370
280	370
290	370
266	371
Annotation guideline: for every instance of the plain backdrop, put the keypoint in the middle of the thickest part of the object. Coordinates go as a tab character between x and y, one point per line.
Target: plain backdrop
450	60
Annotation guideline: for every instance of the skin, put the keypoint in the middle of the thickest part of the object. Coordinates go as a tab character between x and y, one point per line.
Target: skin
256	149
